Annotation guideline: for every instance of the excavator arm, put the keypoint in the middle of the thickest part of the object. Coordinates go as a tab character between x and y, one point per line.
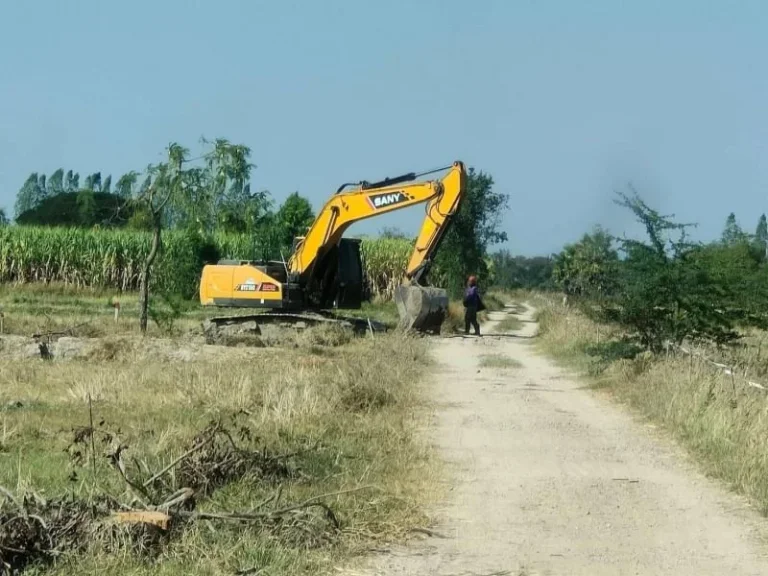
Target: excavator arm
440	210
443	198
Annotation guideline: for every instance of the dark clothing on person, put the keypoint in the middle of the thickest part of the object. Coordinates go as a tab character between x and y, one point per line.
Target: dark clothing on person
472	297
470	318
472	304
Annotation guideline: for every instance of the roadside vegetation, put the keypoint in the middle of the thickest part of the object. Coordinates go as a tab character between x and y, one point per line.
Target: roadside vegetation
715	414
677	330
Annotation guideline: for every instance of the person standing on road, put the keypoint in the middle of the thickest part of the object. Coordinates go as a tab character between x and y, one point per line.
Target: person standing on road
472	305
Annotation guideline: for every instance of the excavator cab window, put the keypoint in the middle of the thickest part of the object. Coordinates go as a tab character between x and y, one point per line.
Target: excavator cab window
339	276
349	289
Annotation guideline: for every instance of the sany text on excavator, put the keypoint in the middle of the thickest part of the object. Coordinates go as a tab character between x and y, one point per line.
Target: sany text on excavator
325	270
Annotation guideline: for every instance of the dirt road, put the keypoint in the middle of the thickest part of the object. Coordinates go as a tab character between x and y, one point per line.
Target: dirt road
549	478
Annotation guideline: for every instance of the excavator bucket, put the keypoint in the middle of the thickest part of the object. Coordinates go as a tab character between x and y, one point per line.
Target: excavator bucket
421	308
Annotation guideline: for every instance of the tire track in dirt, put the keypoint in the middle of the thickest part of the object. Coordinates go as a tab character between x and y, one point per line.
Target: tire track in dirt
548	478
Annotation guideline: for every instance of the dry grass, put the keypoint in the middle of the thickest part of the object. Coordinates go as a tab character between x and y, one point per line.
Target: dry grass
498	361
33	308
510	323
357	400
717	417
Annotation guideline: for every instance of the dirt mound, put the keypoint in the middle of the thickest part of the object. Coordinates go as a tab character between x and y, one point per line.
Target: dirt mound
233	334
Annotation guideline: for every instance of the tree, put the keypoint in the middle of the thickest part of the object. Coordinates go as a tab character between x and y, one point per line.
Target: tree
29	195
125	185
71	182
56	183
521	272
106	186
761	237
226	178
294	217
84	208
474	228
166	184
222	197
42	187
3	218
172	192
666	290
732	233
93	182
587	267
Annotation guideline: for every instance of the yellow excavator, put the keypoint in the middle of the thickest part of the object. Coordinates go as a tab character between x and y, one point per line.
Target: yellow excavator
325	270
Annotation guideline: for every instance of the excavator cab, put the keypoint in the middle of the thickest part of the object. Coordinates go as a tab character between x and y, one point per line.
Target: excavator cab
338	277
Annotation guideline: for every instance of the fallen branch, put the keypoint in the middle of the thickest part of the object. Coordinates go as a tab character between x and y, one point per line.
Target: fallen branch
66	332
310	502
178	497
428	532
163	517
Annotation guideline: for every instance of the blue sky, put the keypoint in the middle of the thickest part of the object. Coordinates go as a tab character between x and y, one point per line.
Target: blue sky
561	102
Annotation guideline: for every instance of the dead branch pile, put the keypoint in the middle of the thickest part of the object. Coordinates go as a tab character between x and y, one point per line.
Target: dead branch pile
34	530
214	460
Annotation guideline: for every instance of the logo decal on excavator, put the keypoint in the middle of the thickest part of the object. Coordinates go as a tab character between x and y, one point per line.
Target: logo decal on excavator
387	199
248	286
251	286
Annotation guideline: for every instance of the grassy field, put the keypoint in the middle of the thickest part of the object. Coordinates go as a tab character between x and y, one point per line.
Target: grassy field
267	428
35	308
719	418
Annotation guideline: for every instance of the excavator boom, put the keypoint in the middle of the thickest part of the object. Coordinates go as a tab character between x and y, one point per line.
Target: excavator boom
347	207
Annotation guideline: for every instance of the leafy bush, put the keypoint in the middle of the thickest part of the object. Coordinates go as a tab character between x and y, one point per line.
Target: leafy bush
666	291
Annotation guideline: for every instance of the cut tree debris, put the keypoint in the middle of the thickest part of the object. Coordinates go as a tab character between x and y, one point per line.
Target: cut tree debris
35	530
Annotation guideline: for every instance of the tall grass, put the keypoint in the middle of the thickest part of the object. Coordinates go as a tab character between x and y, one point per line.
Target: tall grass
716	416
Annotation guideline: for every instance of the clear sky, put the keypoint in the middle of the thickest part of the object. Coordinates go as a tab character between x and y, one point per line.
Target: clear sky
561	102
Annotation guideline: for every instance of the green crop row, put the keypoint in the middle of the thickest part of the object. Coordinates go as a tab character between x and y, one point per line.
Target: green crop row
113	258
